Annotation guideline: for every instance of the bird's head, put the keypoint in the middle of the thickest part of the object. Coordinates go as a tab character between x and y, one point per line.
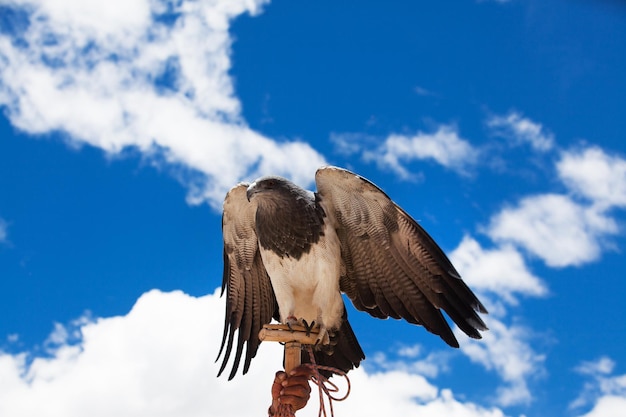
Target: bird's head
268	185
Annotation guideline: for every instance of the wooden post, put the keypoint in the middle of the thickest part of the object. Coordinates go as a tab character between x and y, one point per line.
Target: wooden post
293	355
293	338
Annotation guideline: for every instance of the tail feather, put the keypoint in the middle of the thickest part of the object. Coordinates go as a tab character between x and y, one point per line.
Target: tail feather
344	353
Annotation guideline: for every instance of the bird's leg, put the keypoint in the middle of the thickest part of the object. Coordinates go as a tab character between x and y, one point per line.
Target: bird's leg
323	337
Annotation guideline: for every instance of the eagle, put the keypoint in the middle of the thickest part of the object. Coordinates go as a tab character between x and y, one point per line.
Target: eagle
289	254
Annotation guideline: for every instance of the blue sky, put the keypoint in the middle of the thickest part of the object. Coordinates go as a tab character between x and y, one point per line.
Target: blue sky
499	125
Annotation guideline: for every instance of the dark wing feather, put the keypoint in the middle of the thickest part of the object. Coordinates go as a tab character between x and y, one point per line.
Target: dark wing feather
392	267
250	301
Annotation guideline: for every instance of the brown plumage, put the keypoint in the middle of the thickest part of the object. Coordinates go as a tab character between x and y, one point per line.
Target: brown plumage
290	253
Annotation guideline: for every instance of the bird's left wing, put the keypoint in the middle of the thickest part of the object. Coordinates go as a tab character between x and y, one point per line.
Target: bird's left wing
250	300
392	267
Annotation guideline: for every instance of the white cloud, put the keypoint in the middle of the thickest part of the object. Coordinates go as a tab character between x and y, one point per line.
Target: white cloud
593	174
566	230
554	228
412	360
350	143
424	92
501	271
402	394
519	129
506	351
602	366
410	351
608	406
606	392
444	146
58	336
98	72
158	360
3	230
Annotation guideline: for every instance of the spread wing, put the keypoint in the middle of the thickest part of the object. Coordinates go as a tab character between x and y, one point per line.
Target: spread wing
250	301
392	267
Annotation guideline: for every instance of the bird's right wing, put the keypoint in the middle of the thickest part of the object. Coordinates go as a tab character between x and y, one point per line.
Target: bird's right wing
250	300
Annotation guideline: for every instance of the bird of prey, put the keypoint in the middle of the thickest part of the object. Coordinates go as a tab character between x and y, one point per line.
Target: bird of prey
290	253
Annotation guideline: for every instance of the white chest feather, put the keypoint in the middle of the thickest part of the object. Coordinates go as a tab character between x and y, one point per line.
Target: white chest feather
308	287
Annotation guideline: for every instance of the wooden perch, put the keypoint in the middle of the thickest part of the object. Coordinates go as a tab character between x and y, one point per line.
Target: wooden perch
293	339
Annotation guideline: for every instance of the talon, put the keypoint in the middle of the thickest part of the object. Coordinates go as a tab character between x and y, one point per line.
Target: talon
323	338
308	327
290	321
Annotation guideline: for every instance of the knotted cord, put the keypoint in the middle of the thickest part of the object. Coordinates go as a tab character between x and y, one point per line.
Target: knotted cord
324	388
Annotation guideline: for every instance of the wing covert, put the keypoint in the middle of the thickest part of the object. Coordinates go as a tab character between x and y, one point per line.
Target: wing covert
393	268
250	301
